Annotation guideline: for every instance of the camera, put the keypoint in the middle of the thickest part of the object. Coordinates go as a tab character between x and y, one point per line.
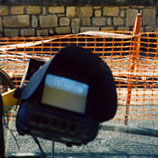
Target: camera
67	98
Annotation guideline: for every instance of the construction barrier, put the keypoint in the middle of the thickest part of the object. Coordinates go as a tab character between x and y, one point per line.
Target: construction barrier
132	57
133	60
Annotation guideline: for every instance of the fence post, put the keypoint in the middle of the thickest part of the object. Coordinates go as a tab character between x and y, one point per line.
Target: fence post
135	56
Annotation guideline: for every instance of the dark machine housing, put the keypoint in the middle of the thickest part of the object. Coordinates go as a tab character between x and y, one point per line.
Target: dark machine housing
67	98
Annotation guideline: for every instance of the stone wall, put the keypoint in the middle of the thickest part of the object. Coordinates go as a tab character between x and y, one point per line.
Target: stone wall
44	20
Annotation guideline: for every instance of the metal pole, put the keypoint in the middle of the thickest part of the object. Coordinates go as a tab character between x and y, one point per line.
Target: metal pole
53	145
135	52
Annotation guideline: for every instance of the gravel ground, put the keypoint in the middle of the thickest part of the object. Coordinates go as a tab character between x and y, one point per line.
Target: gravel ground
108	144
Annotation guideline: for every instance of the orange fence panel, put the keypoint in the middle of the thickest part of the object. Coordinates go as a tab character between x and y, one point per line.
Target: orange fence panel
133	59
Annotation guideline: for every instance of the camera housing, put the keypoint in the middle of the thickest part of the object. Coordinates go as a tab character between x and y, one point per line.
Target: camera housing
67	98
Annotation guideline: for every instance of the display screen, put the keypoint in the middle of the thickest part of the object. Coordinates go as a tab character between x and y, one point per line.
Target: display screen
65	93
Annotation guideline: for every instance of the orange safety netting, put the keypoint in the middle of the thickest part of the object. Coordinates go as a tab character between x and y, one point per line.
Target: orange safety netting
132	57
133	60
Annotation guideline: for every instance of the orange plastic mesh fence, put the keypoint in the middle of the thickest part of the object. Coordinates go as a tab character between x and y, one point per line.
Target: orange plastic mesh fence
132	59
